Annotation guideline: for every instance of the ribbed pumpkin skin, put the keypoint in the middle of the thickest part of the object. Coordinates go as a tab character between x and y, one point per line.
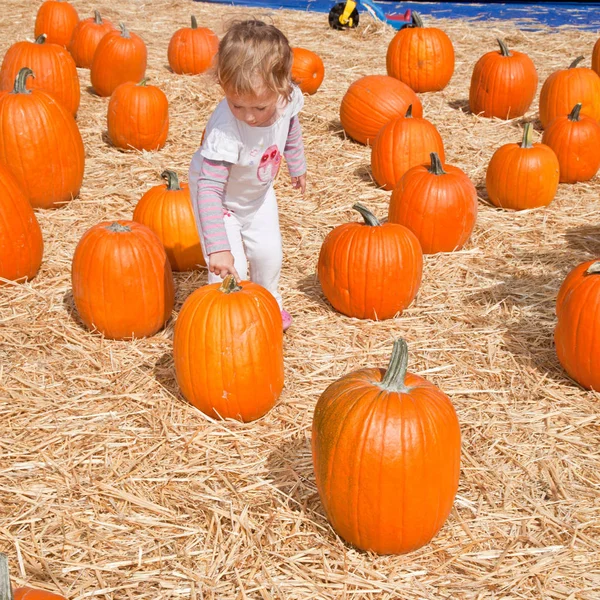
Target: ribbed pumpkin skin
86	37
228	351
403	143
57	19
371	102
21	243
440	210
41	145
192	50
54	69
138	117
386	463
578	311
120	56
502	86
308	70
596	57
122	280
168	212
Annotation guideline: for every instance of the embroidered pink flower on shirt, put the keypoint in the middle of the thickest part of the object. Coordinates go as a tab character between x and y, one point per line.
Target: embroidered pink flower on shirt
269	164
226	213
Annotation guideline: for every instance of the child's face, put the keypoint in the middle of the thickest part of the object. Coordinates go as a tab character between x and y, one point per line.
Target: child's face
256	109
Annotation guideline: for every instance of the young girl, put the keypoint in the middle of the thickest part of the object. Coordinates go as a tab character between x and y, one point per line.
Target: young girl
231	175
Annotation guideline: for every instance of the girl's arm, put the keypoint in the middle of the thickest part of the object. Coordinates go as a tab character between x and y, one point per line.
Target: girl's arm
294	154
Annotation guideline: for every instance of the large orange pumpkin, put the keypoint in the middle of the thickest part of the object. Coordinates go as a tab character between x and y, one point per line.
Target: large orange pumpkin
575	336
57	19
567	87
371	102
386	455
438	204
421	57
167	210
575	139
522	176
41	145
122	280
403	143
192	49
120	56
370	270
21	243
54	68
21	593
86	37
308	70
503	84
138	116
228	350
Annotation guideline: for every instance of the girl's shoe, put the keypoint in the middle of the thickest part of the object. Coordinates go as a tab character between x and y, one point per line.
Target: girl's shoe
286	318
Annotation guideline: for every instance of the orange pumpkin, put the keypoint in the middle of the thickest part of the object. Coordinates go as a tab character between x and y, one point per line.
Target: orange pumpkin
422	57
522	176
21	593
228	350
86	37
596	57
370	270
138	116
54	68
41	145
578	312
438	204
386	456
192	49
122	280
120	56
21	243
401	144
307	70
167	210
371	102
56	19
503	84
575	139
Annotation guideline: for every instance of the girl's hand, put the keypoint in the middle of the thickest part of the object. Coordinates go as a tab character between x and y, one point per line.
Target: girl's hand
221	264
299	183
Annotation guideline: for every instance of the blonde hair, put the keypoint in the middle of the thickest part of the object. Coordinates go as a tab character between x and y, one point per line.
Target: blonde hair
253	56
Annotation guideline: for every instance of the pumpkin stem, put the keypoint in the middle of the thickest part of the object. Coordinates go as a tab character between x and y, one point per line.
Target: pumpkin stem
194	22
143	82
5	588
527	136
368	216
124	31
416	19
393	380
97	17
436	165
40	39
172	180
116	227
229	285
576	62
408	114
503	47
594	268
21	81
574	114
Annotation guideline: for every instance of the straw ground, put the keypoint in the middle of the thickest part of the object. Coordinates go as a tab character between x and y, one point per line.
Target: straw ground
112	486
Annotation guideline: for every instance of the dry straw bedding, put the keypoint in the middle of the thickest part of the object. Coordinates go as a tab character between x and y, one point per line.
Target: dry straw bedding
113	486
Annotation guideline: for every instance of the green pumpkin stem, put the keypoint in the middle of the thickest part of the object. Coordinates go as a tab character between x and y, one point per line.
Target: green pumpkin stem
229	285
40	39
408	114
194	22
367	215
594	268
436	165
97	17
503	47
574	114
416	19
116	227
21	81
527	136
124	30
393	380
5	588
143	82
576	62
172	180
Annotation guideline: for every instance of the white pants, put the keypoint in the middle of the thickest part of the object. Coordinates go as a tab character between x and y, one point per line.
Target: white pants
255	241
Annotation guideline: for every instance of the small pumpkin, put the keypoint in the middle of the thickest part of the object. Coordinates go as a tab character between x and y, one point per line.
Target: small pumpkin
403	143
503	84
386	456
596	57
308	70
370	270
138	116
20	593
578	312
567	87
437	203
192	49
120	56
21	243
122	280
522	176
371	102
228	350
422	57
167	210
41	145
86	37
575	139
56	19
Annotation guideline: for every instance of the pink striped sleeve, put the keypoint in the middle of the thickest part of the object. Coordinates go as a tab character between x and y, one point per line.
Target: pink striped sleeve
294	149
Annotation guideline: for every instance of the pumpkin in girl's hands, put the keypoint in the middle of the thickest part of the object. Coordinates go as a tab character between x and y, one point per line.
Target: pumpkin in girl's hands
192	49
20	593
370	270
86	37
307	70
56	19
386	456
